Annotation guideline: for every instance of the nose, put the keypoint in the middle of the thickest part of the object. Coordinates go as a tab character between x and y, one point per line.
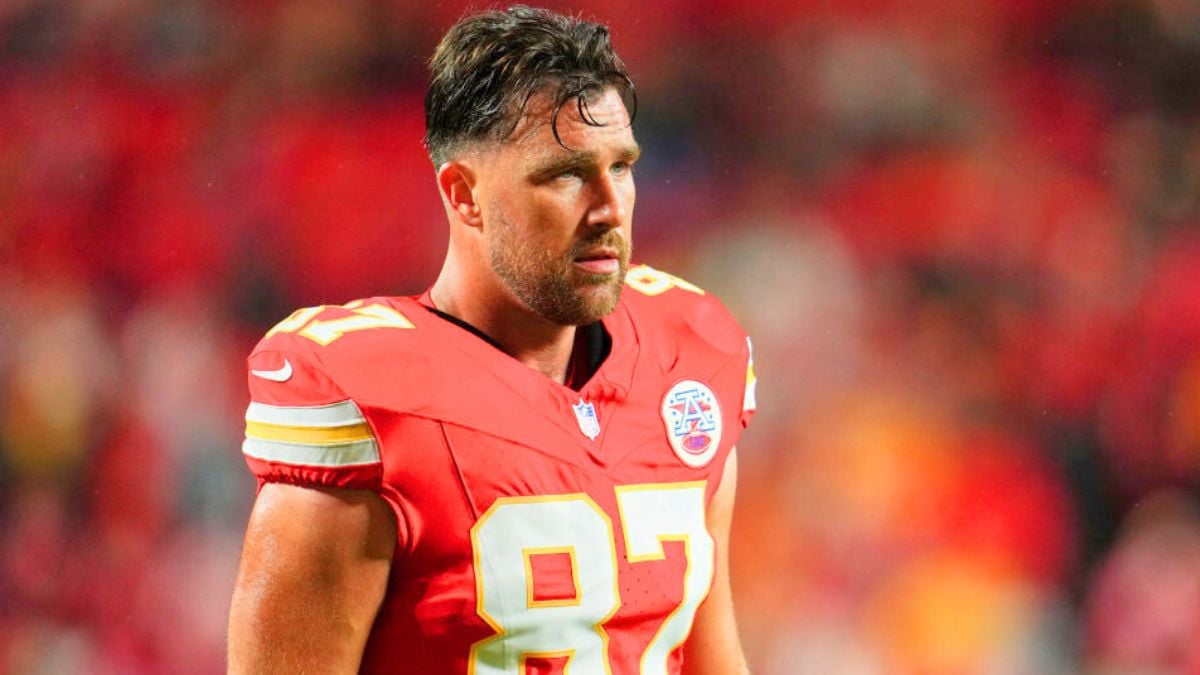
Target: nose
612	200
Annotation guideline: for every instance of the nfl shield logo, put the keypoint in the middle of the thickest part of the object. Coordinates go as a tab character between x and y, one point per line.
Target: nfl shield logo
585	414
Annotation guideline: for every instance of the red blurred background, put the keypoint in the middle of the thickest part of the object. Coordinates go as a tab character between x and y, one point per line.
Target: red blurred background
962	232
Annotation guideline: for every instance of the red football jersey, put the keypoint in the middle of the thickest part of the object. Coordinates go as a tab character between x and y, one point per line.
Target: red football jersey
537	525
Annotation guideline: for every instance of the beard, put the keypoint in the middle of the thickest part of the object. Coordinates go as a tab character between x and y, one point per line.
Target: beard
550	284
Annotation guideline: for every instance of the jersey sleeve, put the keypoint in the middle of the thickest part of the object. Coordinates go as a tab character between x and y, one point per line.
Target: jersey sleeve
301	428
694	317
749	398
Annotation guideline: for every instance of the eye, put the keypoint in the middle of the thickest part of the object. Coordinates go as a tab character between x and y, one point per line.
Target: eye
621	168
567	174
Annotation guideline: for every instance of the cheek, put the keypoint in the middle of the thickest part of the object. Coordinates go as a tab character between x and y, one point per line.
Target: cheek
556	219
627	197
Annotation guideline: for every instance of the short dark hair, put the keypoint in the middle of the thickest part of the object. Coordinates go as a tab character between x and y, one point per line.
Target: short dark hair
490	64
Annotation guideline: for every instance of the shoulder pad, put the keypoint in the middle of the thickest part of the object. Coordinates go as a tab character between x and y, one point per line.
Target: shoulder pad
673	313
301	425
670	303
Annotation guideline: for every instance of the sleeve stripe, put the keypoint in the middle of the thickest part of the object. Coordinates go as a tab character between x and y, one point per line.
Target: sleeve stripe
331	435
749	402
355	453
308	435
341	414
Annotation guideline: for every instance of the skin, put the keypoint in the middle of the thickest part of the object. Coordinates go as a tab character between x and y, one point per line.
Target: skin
713	647
522	214
313	573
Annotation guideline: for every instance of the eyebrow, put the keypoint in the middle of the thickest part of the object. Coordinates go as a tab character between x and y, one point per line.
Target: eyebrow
579	158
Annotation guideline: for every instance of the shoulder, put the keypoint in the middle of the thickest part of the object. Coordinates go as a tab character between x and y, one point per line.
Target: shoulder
307	422
321	363
321	326
328	350
665	307
691	334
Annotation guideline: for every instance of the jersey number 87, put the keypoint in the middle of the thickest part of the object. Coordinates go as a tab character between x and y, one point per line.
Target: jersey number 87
515	528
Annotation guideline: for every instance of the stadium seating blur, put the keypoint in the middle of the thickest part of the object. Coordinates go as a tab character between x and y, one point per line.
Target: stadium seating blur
963	233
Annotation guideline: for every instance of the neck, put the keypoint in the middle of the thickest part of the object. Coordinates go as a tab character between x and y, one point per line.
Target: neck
528	337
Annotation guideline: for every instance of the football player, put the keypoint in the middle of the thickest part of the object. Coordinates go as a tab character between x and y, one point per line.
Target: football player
530	468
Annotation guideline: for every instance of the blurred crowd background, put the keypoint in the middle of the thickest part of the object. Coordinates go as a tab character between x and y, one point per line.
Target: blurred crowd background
962	232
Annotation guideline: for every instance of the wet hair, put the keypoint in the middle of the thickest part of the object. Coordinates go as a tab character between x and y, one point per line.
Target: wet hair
490	64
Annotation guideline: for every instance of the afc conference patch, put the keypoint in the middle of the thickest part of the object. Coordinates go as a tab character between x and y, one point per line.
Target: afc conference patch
585	414
693	420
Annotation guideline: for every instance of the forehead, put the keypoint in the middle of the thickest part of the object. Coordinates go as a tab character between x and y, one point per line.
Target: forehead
607	126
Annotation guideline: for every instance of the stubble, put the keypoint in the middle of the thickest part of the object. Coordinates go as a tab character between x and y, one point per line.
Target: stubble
549	284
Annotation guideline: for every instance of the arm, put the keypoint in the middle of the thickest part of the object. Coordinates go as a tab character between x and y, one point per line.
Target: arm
314	570
713	647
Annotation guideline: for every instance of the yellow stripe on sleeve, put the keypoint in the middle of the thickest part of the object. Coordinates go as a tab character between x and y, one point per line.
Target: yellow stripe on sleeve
308	435
333	435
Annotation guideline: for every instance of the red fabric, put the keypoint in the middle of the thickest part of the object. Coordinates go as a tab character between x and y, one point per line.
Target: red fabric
462	425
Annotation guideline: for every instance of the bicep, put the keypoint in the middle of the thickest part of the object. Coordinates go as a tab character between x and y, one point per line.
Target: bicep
713	648
314	569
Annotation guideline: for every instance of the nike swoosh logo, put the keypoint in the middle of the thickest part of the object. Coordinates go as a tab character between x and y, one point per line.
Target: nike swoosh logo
280	375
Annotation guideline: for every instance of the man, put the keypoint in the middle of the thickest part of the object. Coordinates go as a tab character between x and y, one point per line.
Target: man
524	470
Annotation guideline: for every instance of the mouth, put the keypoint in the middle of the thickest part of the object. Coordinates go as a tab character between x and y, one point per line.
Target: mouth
600	261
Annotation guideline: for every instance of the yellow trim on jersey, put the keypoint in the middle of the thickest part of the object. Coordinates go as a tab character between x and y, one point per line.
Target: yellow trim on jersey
308	435
335	455
649	281
330	435
573	601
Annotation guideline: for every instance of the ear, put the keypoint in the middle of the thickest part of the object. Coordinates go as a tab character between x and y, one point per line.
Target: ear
456	181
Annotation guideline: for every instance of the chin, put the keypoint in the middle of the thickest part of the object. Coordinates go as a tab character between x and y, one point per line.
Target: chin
599	301
566	298
581	308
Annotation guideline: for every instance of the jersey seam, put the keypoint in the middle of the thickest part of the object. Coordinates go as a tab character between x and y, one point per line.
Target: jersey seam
468	497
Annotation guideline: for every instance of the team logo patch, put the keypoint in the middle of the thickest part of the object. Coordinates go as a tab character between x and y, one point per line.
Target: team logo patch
693	419
585	414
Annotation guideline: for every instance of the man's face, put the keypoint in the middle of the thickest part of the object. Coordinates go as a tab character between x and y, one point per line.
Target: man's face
556	221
